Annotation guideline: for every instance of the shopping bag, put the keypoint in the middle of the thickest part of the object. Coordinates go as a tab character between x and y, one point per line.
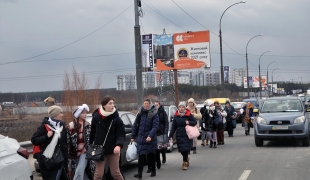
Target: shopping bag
162	141
131	153
192	131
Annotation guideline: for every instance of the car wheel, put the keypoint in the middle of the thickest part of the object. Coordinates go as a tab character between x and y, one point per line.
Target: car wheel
259	142
305	142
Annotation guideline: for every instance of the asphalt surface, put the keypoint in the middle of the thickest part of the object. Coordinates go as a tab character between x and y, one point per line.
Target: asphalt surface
238	159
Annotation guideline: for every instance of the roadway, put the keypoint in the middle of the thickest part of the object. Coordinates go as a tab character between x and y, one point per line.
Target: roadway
238	159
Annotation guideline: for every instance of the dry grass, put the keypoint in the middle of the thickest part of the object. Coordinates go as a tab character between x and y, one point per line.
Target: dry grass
21	130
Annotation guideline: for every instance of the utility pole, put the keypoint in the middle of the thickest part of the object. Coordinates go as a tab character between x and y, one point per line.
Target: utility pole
137	4
176	88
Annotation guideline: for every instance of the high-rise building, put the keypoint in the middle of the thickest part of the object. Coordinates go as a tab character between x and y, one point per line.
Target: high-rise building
125	82
236	76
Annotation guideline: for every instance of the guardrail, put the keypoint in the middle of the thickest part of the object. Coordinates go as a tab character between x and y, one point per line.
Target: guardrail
27	145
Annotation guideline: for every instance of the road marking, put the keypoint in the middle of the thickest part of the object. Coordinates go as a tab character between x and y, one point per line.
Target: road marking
245	175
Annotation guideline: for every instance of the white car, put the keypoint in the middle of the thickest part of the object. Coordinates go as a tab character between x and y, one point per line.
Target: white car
13	160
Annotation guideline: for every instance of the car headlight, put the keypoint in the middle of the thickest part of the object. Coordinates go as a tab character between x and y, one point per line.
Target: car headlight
260	120
299	120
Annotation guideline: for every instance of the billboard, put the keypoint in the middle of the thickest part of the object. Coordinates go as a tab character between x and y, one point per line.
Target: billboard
147	53
163	49
226	74
191	50
254	82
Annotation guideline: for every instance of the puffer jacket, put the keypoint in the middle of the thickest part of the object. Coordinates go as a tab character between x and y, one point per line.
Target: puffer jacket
178	126
163	124
196	113
146	125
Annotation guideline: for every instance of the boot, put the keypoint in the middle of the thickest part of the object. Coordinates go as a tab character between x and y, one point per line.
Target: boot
187	161
139	175
249	131
203	142
153	173
211	144
194	150
184	165
207	143
158	164
246	132
214	145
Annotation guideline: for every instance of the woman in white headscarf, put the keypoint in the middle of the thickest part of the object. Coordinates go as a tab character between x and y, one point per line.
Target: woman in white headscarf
78	132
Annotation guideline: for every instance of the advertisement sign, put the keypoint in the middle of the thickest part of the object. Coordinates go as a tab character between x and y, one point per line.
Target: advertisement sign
254	82
226	74
163	50
147	53
191	50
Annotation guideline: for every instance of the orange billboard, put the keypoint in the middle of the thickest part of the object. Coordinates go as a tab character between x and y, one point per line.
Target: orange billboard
191	51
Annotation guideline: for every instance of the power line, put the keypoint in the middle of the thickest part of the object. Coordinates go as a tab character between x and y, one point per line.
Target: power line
158	12
71	42
70	58
142	26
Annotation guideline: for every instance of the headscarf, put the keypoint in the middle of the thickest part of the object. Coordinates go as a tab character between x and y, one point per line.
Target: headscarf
80	109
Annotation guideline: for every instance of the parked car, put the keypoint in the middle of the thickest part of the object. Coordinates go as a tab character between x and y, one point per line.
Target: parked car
282	118
128	119
238	106
13	160
170	110
307	102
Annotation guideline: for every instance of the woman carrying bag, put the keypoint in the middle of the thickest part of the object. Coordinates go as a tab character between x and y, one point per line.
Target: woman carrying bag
230	118
107	128
51	137
182	118
247	115
144	130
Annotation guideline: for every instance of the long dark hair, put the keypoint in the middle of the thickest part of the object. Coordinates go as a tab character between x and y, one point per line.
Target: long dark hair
106	100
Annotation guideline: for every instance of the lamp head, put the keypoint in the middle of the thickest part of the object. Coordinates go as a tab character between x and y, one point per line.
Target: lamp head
242	1
261	34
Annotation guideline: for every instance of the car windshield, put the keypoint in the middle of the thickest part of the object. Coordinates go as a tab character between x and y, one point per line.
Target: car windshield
281	106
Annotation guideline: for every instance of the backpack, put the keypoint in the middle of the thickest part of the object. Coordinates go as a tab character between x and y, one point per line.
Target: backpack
36	149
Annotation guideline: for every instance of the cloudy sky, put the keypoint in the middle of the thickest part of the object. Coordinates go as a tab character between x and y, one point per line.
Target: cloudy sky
40	40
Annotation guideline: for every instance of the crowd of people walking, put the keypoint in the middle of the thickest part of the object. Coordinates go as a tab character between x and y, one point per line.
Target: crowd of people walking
64	150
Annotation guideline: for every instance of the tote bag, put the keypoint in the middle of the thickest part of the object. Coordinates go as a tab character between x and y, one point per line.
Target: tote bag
192	131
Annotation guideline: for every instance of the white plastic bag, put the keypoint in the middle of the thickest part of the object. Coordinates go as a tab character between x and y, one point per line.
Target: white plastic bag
131	153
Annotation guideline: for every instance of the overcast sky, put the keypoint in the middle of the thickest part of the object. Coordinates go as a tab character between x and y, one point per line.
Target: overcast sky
29	28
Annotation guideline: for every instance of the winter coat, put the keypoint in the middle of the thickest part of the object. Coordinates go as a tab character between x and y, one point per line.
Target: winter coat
100	127
250	113
223	114
41	139
72	141
209	124
146	125
163	124
197	115
230	112
178	126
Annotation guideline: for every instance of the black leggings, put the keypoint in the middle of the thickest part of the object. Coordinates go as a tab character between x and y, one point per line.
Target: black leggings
185	155
151	161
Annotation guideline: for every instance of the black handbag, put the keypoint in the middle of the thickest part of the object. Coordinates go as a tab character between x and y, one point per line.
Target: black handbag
96	152
55	161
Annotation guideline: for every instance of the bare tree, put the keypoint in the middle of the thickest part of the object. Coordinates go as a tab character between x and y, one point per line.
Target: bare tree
76	91
21	112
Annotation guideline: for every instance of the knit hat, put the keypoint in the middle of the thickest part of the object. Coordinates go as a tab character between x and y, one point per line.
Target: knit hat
209	102
216	101
80	109
54	111
182	104
227	102
191	100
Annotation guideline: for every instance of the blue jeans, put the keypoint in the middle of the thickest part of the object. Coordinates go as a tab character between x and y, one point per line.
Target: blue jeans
58	177
80	169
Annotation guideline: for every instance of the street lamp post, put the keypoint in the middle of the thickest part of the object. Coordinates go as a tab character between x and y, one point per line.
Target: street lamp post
247	66
272	78
260	78
221	52
278	77
268	77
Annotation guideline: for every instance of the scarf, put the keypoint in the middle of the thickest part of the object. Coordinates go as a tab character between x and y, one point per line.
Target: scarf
48	153
105	113
182	114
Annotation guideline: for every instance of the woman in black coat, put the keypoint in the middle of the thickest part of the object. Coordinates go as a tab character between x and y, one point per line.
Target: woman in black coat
103	117
182	118
231	116
43	138
144	132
